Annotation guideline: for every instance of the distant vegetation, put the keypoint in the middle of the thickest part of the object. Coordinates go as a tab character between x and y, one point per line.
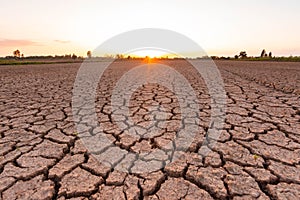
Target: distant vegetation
282	59
4	61
89	54
264	56
278	59
18	58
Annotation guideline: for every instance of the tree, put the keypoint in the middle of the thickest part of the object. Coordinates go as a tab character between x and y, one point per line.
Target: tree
263	53
74	56
270	54
243	54
236	57
89	54
119	56
17	53
147	59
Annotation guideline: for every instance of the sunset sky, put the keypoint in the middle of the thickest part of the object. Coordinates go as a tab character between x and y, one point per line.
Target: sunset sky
220	27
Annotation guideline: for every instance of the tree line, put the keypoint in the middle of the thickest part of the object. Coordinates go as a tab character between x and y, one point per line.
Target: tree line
264	54
18	55
242	55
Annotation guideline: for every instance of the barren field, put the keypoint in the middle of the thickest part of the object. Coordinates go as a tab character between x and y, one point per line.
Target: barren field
257	155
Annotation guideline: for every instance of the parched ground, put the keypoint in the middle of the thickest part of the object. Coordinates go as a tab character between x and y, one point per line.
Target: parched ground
257	155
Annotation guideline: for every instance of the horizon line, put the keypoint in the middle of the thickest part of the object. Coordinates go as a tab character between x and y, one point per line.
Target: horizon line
137	56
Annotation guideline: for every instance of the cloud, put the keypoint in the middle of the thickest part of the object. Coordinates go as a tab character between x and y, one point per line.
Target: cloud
62	41
11	43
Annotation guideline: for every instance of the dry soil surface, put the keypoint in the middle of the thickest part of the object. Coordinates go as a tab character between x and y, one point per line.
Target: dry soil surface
257	155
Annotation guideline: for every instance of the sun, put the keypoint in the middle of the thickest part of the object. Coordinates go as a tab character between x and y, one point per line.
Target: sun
150	53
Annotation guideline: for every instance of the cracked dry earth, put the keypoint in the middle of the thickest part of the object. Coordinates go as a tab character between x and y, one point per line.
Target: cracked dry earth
257	155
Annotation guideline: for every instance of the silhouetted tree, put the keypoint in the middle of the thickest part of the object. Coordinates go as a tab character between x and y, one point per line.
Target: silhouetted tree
89	54
236	57
270	54
119	56
17	53
74	56
243	54
147	59
263	53
22	55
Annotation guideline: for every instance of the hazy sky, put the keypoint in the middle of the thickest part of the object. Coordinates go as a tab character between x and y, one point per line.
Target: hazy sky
221	27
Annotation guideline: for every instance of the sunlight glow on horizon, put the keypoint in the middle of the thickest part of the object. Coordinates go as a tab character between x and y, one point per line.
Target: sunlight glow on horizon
149	53
221	28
